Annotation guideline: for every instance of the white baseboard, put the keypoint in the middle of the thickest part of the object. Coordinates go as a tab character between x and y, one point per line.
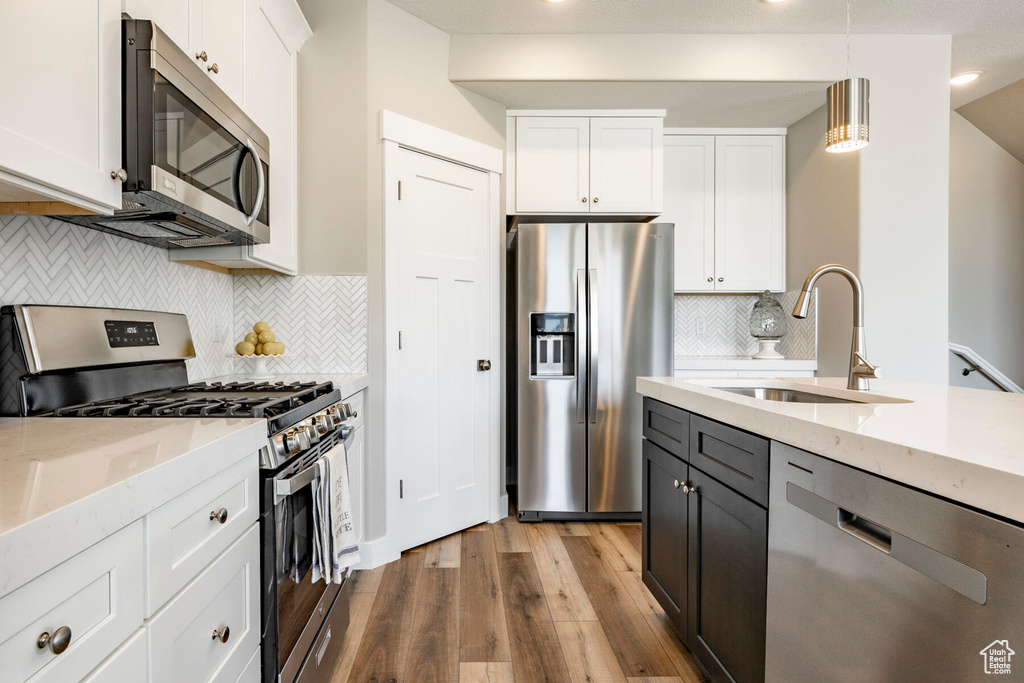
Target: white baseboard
376	553
502	510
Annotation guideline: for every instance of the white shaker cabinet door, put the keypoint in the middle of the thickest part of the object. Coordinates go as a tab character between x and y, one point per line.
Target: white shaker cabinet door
273	109
749	213
552	164
60	112
174	17
626	165
222	30
690	205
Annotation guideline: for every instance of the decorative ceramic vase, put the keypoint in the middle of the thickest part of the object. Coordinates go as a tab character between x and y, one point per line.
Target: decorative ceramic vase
768	326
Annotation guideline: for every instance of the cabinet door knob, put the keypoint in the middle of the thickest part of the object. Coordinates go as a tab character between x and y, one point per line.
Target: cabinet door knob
222	634
676	483
58	642
219	515
201	56
119	174
214	68
711	279
721	279
596	200
483	365
687	489
584	200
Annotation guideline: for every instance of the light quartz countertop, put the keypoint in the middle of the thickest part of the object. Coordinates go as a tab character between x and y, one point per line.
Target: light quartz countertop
964	444
741	363
349	383
67	483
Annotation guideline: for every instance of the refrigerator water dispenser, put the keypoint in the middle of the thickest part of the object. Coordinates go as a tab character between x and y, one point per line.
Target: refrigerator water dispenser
552	345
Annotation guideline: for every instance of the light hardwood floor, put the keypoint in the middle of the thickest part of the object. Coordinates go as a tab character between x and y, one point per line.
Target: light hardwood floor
553	602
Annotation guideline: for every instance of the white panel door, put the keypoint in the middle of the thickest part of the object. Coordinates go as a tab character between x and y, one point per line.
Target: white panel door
272	107
749	213
626	165
445	321
552	164
690	205
223	38
60	108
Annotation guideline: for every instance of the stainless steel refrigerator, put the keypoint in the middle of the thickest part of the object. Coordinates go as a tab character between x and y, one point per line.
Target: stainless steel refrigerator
593	311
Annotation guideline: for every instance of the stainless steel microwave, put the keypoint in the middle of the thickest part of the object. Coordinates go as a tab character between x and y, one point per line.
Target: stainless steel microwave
196	169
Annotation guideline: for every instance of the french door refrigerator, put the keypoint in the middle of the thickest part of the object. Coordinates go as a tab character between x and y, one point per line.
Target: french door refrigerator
593	313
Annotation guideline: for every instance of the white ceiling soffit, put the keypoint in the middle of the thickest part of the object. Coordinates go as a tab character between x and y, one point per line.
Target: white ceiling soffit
999	116
690	105
988	35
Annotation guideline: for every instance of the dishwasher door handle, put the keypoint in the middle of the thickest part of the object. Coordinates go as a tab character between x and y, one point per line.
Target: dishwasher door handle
875	535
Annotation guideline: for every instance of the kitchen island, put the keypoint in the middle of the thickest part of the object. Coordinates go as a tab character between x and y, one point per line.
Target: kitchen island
776	533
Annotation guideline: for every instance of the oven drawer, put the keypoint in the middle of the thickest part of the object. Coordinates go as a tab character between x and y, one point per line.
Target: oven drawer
187	533
96	594
329	641
223	599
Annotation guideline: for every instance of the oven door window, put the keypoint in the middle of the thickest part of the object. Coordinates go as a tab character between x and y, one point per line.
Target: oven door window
190	145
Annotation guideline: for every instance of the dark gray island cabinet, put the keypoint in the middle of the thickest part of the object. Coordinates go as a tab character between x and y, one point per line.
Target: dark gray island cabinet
705	536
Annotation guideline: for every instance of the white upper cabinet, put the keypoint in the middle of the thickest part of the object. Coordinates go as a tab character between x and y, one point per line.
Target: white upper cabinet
726	196
179	19
749	213
690	205
220	33
60	112
579	162
274	110
552	164
626	165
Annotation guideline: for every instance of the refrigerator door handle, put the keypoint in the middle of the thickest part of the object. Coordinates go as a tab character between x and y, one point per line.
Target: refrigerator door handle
581	353
593	329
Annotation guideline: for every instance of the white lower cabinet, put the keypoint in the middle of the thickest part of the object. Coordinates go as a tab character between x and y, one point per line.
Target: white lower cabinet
209	631
186	534
251	672
92	602
355	454
126	665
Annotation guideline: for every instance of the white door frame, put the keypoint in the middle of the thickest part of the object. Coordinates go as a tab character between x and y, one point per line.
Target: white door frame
398	132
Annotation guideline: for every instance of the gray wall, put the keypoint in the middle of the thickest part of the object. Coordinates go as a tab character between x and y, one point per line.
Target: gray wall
986	248
822	226
332	123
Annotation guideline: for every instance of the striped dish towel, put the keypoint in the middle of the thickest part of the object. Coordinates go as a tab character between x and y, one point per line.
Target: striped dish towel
335	548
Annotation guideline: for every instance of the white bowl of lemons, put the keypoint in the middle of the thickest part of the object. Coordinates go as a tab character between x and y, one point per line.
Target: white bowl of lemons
260	345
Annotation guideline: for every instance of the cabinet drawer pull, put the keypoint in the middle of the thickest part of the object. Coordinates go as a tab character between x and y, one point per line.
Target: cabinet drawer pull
219	515
222	634
214	68
58	642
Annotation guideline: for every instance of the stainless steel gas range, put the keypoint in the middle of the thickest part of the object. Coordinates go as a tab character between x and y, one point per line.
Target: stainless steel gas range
78	362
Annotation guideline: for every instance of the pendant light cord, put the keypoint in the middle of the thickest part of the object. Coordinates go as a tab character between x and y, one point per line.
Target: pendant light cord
847	39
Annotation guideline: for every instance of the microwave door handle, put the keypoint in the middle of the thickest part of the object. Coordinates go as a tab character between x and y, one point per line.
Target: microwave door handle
261	182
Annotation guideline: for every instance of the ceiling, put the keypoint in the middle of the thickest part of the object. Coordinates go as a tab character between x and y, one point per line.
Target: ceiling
998	115
694	105
988	35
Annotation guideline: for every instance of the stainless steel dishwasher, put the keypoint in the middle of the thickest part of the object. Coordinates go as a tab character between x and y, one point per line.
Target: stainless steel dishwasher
870	581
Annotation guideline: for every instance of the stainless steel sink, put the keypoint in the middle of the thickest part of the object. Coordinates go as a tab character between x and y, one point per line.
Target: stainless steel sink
785	395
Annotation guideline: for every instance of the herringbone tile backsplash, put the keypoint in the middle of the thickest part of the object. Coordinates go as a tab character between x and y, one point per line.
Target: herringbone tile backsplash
726	330
321	319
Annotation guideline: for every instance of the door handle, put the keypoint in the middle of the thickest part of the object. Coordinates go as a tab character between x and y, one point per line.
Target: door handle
261	187
593	313
581	327
483	365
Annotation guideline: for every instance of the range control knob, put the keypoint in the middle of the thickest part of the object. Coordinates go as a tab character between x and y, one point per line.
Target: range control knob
346	410
323	423
310	432
336	415
292	444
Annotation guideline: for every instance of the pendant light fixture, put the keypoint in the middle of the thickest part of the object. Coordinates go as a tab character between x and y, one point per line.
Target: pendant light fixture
848	108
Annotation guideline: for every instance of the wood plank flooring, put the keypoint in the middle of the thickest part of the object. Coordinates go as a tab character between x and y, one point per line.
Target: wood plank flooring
553	602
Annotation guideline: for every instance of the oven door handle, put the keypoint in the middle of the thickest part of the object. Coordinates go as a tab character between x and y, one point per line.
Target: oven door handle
289	485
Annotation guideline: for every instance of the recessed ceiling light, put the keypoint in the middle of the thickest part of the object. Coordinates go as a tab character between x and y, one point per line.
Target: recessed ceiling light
965	77
774	1
553	0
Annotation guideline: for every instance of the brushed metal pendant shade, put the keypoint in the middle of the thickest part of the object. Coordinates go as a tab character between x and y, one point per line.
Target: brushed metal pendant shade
848	115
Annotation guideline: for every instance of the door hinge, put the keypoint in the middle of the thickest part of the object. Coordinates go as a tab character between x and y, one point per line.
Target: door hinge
401	488
399	340
399	190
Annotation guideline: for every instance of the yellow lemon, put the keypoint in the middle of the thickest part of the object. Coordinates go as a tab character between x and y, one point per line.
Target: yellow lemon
244	348
252	338
267	336
273	348
259	349
260	327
